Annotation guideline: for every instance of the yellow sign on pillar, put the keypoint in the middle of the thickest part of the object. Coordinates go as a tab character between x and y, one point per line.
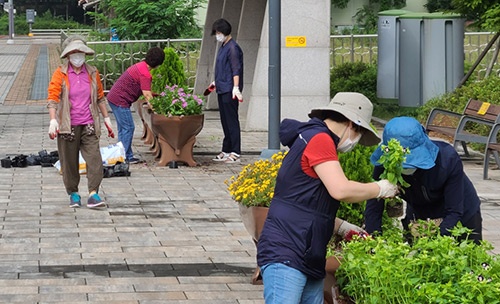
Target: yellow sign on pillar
296	41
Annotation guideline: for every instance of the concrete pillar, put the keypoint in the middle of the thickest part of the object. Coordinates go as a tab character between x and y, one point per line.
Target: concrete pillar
208	51
249	31
305	71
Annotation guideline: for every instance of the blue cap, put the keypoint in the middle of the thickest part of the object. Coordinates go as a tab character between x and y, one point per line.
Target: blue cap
410	134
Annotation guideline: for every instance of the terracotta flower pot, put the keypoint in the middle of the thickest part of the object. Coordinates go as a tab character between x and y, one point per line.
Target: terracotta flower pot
176	136
253	219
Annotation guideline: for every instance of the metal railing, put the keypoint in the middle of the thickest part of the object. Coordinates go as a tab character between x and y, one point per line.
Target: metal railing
113	57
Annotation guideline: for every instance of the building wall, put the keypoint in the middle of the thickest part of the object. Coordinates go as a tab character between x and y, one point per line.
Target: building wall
345	17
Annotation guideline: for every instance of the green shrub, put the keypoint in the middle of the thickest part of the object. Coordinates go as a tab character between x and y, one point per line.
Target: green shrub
354	77
170	73
357	166
487	90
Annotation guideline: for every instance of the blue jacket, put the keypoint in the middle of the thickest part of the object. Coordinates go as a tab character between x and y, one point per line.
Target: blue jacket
443	191
301	217
229	63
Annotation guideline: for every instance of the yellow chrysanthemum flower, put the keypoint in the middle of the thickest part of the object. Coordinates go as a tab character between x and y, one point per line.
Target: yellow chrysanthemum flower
254	185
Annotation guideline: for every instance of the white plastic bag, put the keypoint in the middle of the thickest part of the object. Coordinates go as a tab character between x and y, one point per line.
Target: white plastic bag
110	155
82	165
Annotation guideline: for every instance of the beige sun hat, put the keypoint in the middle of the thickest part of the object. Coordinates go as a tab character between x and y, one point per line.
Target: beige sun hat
75	43
357	108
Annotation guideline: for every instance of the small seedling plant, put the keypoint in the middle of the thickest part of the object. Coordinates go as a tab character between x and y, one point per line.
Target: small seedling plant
392	160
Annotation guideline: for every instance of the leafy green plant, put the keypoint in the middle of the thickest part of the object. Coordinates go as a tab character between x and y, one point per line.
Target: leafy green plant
169	73
392	160
357	166
435	269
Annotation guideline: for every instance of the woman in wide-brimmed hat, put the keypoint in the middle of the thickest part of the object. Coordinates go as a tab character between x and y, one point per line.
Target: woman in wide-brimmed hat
75	98
310	185
439	188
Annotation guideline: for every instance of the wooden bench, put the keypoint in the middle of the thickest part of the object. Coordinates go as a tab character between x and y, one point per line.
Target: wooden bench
457	126
492	148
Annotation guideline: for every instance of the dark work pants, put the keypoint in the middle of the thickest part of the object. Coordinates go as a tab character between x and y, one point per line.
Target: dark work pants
228	109
69	159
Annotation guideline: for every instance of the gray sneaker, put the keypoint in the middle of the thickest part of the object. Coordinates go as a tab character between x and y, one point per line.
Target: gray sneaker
95	201
75	200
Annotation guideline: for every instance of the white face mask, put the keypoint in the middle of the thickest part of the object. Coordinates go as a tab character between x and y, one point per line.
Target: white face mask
220	37
408	171
77	59
348	144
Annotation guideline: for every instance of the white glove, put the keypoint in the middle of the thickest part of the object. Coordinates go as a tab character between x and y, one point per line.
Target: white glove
387	189
237	94
107	123
53	128
346	227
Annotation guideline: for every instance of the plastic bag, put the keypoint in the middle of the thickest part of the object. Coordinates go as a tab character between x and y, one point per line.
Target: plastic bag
112	154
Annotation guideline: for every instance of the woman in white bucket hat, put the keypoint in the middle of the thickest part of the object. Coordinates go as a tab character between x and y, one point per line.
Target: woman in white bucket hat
75	98
309	187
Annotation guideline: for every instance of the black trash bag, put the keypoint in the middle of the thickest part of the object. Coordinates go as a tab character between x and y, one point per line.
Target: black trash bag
33	160
6	162
48	159
119	169
20	161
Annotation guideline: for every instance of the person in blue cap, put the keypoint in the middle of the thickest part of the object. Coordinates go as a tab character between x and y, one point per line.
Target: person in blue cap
439	188
291	250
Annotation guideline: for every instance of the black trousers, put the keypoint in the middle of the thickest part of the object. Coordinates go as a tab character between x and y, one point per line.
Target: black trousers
228	109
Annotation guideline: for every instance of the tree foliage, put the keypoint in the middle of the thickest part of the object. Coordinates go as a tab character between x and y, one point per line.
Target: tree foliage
438	5
485	13
367	16
152	19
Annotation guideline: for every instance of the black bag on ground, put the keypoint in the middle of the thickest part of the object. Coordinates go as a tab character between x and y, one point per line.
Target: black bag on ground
20	161
6	162
119	169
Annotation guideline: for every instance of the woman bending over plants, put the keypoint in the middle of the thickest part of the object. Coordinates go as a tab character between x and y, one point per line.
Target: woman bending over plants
438	187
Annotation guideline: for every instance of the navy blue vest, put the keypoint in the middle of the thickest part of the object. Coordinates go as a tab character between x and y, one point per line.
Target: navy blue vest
301	218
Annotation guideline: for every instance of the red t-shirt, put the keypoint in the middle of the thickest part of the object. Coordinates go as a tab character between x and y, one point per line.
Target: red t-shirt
128	88
320	149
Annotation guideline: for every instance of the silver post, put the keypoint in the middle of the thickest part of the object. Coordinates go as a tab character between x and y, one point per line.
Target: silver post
11	22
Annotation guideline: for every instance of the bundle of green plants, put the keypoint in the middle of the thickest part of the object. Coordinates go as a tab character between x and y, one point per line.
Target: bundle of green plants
433	269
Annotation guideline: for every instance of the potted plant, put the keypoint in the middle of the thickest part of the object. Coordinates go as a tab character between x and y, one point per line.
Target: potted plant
176	118
253	190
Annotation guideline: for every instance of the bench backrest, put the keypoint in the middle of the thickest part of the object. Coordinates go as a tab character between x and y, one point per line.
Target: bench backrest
483	110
